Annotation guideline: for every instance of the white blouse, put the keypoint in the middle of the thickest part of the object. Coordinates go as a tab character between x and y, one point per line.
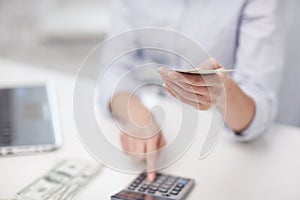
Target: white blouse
245	35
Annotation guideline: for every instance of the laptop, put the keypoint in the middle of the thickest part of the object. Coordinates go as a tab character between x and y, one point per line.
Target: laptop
28	120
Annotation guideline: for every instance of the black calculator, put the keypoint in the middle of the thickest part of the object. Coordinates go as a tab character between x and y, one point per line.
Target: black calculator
164	187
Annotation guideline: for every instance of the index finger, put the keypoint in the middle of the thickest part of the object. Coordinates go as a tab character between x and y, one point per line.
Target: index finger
151	158
195	80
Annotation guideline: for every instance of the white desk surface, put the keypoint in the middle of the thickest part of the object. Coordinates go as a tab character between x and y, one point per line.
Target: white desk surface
262	170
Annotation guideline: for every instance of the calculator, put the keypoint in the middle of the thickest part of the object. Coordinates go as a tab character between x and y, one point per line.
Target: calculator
164	187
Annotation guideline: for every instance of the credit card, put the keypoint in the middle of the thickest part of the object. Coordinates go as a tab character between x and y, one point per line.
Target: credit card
204	71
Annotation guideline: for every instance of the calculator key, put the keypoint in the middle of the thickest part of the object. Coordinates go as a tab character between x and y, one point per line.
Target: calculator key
155	184
163	190
142	190
154	188
169	182
134	185
159	182
151	191
180	185
183	181
172	178
162	177
174	192
165	187
131	188
145	186
177	189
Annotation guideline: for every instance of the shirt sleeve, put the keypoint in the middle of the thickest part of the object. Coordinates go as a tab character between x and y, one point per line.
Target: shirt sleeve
116	77
259	61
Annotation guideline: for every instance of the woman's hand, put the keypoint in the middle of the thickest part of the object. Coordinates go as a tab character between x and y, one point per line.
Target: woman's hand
202	92
145	150
199	91
141	137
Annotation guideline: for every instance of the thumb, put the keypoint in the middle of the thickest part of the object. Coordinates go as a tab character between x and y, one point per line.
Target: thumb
210	63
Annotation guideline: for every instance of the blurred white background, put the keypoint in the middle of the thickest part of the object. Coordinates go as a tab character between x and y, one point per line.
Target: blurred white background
52	33
58	34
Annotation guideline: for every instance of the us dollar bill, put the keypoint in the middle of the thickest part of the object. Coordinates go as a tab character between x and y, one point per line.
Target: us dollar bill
63	182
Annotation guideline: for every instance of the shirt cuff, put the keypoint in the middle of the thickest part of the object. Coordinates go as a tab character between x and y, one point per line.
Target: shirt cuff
262	119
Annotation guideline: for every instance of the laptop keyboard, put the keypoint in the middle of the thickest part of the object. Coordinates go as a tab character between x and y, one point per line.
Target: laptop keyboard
5	128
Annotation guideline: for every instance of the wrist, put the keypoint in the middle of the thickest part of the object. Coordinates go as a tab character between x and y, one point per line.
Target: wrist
126	108
237	108
139	115
229	87
141	123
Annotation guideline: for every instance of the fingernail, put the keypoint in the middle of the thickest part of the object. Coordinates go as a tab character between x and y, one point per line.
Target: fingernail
172	75
165	87
151	176
162	71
